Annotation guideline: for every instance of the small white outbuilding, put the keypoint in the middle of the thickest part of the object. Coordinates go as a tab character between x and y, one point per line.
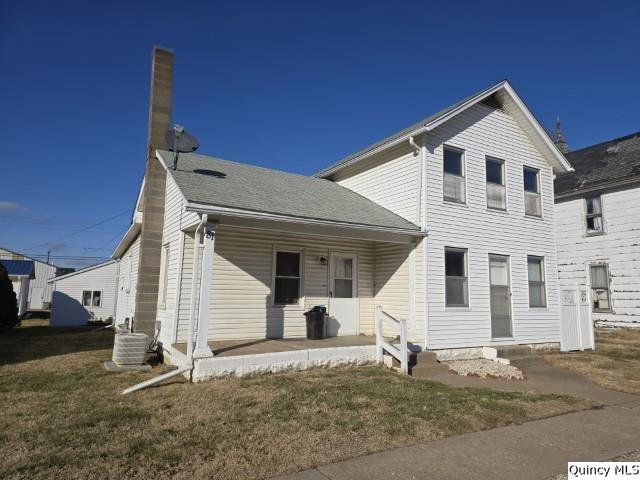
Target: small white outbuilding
20	272
83	296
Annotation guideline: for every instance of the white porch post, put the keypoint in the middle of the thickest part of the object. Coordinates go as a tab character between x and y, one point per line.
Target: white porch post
202	349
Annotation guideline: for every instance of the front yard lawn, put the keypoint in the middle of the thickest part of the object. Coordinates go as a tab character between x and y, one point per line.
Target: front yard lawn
614	364
63	417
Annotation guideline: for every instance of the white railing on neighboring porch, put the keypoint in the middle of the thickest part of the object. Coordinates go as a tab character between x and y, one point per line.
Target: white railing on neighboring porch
398	327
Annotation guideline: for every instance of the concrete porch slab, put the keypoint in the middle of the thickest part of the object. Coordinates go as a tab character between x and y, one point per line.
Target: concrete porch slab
230	348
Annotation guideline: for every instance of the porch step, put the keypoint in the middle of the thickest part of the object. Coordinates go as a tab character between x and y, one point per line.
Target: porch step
425	364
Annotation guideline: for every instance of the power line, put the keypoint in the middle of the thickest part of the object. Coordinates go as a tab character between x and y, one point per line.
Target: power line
118	235
81	230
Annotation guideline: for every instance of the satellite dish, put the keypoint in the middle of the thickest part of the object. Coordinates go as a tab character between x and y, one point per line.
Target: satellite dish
179	141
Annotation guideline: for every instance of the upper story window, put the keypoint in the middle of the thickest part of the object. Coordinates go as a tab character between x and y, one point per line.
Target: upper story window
453	170
600	297
594	215
532	198
456	283
496	189
286	284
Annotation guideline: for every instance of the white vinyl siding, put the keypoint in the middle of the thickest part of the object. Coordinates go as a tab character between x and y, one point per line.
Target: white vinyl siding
67	304
175	219
484	132
127	282
241	306
391	179
618	247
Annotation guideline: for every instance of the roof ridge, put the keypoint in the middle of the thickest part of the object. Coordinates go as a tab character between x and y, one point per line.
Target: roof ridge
618	139
250	165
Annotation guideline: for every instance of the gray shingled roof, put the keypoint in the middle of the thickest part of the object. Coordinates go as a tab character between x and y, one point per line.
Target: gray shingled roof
328	170
222	183
602	165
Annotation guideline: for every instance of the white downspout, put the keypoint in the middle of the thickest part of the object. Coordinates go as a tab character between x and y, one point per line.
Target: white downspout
189	365
423	227
194	280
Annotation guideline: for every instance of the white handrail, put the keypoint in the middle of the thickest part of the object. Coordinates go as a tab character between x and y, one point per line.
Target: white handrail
401	353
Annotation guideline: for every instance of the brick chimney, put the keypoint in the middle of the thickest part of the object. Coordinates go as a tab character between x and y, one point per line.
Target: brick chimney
153	193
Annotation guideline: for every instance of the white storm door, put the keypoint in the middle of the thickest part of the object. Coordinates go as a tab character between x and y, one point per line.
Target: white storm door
343	295
500	296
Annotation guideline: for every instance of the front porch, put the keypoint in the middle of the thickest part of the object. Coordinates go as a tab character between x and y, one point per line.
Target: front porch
241	358
232	348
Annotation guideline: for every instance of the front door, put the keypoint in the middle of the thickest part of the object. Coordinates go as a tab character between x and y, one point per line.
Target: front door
500	296
343	296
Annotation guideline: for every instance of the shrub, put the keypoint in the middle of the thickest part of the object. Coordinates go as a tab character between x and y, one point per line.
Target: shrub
8	301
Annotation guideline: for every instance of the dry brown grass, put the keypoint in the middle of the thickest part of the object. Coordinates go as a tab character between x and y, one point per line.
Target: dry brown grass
63	416
615	363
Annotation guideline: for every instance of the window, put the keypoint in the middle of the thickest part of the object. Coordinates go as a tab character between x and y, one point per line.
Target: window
453	165
600	288
532	202
455	266
537	290
287	278
91	298
594	215
496	190
164	276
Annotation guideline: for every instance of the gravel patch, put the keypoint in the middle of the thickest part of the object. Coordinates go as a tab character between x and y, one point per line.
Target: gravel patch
629	457
485	369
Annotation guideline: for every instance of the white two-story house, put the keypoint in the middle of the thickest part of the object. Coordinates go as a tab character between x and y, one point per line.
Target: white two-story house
598	228
446	225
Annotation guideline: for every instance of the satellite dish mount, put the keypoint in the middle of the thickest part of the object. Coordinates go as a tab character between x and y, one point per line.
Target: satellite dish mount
179	141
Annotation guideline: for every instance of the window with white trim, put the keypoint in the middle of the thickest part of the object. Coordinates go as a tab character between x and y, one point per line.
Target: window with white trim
456	281
287	278
532	198
164	275
453	173
600	294
594	218
91	298
537	287
496	187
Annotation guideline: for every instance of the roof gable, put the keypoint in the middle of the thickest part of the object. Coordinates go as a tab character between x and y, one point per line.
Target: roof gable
511	103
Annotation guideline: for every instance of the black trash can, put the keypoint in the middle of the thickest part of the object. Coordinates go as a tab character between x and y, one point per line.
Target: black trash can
316	323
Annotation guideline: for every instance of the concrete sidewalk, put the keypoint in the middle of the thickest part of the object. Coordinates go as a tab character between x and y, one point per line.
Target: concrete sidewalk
535	450
542	379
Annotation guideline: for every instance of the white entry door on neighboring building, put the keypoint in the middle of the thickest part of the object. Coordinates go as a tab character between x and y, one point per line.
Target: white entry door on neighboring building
36	300
343	294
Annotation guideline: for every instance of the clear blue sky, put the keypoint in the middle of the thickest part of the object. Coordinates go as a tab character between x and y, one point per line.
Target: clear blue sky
288	85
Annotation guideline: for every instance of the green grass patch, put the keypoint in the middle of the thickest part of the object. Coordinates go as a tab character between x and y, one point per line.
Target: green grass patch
63	416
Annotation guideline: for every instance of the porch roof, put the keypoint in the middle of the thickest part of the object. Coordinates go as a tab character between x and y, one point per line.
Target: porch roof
19	268
211	181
